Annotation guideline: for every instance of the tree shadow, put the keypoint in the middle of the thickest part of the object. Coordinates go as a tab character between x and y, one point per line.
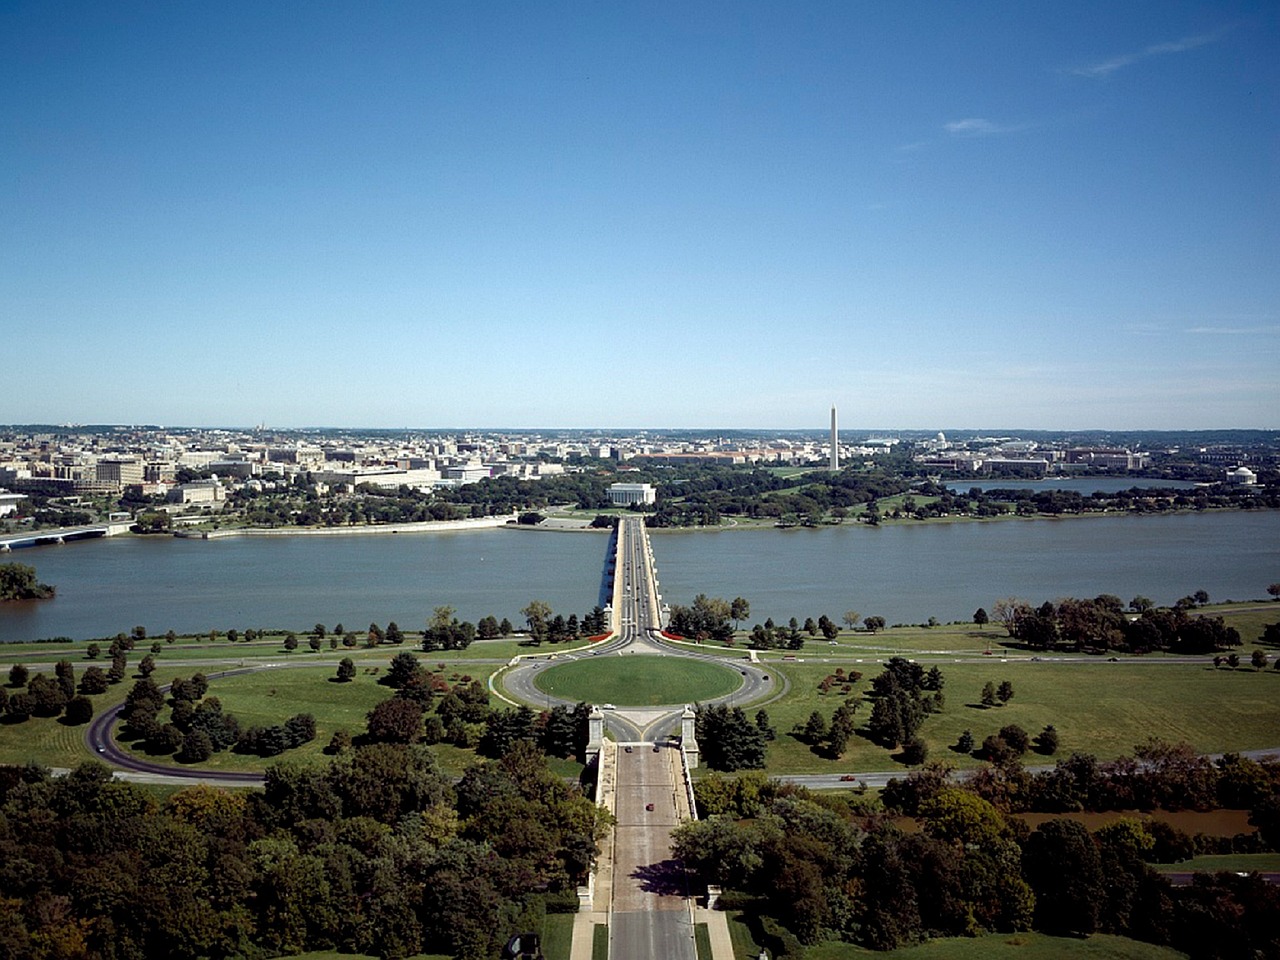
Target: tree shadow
665	878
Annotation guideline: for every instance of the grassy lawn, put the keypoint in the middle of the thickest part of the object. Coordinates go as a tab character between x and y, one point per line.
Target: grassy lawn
1235	862
638	680
272	648
1097	707
702	941
1022	946
257	699
600	942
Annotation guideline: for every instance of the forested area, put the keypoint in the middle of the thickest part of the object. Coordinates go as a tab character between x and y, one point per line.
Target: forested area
826	866
375	852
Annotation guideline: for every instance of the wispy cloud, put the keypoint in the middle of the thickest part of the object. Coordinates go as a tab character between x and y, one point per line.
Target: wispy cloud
1233	331
1105	68
976	127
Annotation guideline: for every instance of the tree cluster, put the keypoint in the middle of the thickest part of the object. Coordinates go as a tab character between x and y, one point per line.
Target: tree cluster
18	582
822	869
376	852
1103	624
708	618
728	740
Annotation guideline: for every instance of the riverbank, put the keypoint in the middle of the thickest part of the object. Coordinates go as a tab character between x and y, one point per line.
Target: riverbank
425	526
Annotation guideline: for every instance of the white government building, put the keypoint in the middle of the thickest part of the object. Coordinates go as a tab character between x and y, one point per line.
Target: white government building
625	494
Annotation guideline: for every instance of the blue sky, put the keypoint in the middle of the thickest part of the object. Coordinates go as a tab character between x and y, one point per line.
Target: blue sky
937	215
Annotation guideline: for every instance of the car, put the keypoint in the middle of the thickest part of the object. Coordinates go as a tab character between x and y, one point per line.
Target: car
1036	659
1113	659
607	706
656	748
102	749
847	777
649	807
627	749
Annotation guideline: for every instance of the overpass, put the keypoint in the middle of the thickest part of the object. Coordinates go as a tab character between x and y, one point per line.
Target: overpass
34	538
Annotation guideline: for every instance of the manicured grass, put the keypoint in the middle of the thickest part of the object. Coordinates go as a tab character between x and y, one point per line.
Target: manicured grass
272	696
702	941
600	942
557	936
1235	862
334	955
264	698
1097	707
638	680
1021	946
53	744
1250	619
273	649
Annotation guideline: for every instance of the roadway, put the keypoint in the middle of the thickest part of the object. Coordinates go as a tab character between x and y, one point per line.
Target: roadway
638	620
650	914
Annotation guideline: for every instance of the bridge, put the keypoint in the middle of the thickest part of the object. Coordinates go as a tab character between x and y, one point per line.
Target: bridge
34	538
643	779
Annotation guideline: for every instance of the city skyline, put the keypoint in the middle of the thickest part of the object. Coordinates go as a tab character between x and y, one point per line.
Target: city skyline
571	217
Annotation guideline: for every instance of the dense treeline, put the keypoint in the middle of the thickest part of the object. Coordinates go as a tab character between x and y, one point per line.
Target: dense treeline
18	582
1103	624
834	867
376	852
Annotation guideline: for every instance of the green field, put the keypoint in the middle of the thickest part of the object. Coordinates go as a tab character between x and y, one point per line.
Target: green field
638	681
257	699
1097	707
1017	946
1234	862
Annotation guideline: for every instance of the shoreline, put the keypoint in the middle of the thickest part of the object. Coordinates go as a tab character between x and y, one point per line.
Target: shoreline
423	526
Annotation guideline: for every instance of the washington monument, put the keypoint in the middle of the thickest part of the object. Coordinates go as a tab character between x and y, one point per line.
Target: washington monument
835	441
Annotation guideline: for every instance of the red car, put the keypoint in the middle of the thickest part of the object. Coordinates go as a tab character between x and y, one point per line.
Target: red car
649	807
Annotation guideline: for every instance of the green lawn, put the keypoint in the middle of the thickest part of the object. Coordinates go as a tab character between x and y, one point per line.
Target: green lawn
1235	862
1097	707
1019	946
272	648
257	699
638	680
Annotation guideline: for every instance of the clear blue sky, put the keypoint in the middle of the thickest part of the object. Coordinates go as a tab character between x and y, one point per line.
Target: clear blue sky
648	214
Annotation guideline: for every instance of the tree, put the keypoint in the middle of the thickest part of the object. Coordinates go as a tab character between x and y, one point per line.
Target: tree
94	681
980	617
92	651
395	720
314	644
196	747
874	624
18	582
404	670
851	618
989	694
1047	741
1141	604
739	610
346	670
18	675
536	615
1004	693
147	665
318	631
291	642
965	743
1274	590
1062	863
1259	659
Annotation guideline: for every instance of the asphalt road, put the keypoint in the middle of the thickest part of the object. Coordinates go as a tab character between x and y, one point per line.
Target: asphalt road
650	915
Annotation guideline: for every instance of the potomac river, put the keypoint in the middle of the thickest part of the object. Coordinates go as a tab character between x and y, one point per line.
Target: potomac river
903	572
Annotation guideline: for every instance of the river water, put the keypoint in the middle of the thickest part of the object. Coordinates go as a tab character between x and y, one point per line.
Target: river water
903	572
